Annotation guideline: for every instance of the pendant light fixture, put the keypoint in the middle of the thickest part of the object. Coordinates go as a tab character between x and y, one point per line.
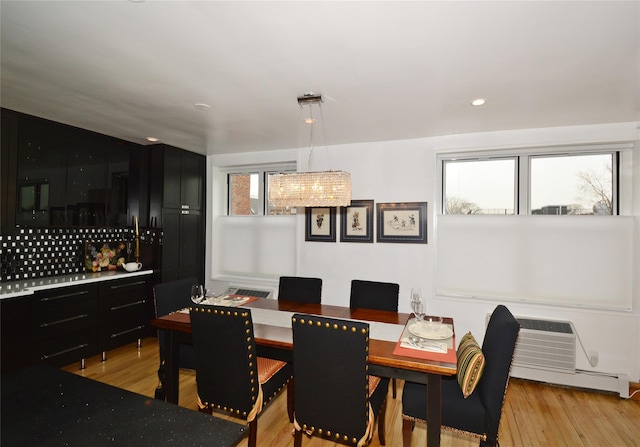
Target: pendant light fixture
310	189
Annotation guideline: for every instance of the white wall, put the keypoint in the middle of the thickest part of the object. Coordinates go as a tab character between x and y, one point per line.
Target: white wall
405	171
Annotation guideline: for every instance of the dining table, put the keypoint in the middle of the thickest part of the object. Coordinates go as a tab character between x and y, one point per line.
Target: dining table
274	339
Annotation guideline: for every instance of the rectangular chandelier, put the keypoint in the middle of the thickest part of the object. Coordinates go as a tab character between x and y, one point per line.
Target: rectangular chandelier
310	189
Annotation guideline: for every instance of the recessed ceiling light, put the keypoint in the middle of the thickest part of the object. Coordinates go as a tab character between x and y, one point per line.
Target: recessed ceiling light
153	139
478	102
309	120
201	106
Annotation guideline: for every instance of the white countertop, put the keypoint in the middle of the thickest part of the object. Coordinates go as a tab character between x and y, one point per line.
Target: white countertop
30	286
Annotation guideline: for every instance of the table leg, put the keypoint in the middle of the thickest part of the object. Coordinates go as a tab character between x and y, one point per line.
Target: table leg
434	409
172	369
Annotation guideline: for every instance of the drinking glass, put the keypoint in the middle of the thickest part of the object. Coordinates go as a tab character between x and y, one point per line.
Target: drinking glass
417	305
197	293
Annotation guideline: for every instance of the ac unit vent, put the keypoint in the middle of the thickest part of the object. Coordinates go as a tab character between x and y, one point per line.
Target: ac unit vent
248	292
546	344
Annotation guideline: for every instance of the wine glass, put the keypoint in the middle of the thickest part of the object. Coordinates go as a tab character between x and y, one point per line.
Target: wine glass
197	293
417	305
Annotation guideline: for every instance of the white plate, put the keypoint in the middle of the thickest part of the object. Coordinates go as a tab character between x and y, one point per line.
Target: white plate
419	329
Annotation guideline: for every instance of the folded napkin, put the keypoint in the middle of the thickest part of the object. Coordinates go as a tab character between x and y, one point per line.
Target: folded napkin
423	345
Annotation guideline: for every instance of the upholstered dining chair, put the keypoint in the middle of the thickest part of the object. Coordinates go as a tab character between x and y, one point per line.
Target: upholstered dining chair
169	297
479	413
299	288
230	377
375	295
335	397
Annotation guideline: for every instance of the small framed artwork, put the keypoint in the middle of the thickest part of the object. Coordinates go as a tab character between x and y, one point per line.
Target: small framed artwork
402	222
357	221
320	224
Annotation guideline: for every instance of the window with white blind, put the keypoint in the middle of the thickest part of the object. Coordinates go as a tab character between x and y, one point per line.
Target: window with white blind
567	240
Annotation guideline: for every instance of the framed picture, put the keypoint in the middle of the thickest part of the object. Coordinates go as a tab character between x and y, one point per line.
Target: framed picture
320	224
402	222
357	221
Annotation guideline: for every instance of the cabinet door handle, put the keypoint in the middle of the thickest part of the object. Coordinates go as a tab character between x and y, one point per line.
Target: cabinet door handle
135	303
184	212
64	320
66	295
120	286
184	207
55	354
137	328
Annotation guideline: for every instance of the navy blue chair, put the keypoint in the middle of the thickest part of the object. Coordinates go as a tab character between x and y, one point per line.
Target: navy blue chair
335	397
169	297
230	377
375	295
298	288
479	414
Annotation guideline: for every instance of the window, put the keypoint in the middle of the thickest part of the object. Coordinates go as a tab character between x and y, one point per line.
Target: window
572	184
584	182
480	186
248	191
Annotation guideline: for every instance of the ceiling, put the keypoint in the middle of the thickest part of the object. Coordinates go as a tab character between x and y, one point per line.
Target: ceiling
387	70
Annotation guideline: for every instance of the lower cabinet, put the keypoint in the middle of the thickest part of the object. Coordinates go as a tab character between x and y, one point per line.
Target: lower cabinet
68	324
63	324
125	311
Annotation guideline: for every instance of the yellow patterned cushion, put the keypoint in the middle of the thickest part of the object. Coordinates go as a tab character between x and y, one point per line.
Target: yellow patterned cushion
470	364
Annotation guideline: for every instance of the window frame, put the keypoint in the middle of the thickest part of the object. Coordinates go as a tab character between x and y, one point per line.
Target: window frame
263	197
621	166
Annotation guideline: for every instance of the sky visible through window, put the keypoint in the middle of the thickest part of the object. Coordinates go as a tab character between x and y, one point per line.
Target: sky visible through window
575	184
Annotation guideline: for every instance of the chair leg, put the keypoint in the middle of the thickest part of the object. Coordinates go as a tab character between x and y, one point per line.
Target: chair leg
382	430
290	391
297	438
253	433
407	429
393	387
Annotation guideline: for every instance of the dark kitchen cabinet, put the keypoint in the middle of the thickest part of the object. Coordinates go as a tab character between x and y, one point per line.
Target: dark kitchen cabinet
63	324
125	310
59	175
177	206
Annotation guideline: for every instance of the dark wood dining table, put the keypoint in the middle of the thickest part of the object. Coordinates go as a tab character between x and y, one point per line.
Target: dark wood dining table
276	341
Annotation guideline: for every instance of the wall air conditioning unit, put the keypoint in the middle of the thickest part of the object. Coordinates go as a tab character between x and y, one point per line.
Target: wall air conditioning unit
546	344
238	290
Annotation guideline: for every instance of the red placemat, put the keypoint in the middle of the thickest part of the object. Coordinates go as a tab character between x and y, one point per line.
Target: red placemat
448	357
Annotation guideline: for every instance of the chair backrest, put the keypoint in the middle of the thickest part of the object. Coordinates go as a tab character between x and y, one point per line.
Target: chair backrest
169	297
298	288
498	347
330	358
173	295
374	295
226	360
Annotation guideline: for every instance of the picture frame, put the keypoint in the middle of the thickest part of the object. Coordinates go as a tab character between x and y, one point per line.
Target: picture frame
356	222
320	224
402	222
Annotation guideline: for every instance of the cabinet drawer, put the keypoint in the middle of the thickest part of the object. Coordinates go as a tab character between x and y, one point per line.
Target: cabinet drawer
66	349
116	307
123	286
60	320
62	311
123	331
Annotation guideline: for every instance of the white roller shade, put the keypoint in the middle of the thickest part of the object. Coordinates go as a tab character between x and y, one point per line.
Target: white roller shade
566	260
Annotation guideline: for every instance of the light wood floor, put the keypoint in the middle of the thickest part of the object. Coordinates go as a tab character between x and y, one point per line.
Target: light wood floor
534	414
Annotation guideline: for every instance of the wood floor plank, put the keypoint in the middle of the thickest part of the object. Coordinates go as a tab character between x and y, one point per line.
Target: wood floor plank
534	414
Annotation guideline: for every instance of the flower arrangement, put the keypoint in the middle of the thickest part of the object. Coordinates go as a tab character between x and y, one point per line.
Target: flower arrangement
103	258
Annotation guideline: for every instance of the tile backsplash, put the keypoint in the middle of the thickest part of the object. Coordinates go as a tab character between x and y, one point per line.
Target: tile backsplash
30	253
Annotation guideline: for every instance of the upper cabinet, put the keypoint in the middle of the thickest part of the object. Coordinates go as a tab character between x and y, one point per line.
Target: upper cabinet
183	177
65	176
